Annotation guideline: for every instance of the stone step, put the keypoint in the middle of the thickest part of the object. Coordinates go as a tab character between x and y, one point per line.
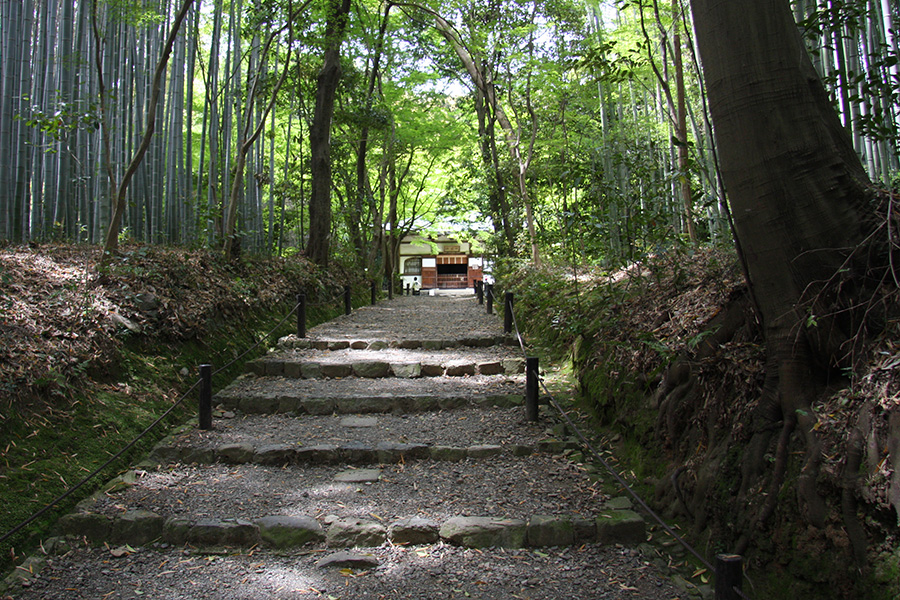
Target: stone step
360	439
334	343
141	527
499	485
375	364
525	501
268	395
352	453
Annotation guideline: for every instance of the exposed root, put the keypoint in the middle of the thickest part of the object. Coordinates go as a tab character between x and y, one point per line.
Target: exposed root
781	461
850	481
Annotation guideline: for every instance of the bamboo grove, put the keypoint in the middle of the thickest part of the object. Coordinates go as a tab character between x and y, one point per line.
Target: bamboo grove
542	128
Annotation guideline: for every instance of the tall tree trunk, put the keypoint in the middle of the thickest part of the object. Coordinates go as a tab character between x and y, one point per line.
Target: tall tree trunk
318	248
119	199
684	175
799	197
246	137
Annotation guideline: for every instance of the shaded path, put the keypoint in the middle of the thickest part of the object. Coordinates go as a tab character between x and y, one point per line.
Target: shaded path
365	475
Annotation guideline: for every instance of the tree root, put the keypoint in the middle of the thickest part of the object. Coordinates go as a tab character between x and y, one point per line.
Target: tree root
850	481
781	461
806	482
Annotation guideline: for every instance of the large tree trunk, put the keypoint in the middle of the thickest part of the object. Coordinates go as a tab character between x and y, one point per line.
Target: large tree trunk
798	195
317	249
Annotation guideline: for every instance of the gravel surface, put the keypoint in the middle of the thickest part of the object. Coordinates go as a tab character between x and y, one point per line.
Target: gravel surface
459	427
396	355
413	317
497	486
405	573
437	387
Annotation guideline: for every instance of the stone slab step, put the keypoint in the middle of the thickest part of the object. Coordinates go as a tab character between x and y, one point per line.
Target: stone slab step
267	395
387	363
140	527
167	452
360	439
330	342
501	486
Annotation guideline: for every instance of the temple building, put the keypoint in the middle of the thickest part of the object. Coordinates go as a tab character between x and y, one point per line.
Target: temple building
438	262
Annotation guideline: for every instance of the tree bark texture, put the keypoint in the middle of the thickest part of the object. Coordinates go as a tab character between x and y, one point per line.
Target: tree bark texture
798	193
317	249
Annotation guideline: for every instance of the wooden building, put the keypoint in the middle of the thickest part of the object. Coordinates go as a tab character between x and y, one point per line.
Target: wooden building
438	262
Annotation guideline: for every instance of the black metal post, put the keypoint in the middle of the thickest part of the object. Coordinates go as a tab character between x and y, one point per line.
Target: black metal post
729	575
489	292
301	315
531	389
206	397
348	301
407	289
508	312
374	293
479	291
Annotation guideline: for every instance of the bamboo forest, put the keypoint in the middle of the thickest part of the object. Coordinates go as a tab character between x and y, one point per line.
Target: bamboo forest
333	128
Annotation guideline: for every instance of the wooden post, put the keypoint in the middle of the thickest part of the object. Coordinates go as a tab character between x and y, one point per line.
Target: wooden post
479	291
205	397
301	315
508	312
489	292
348	301
729	576
531	389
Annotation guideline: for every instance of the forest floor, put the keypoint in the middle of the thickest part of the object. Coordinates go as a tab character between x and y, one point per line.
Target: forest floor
87	361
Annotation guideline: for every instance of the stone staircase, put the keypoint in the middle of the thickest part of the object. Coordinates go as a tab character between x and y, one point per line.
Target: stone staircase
339	445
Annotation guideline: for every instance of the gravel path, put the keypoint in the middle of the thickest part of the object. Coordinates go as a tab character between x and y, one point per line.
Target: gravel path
519	488
406	573
459	427
416	317
502	486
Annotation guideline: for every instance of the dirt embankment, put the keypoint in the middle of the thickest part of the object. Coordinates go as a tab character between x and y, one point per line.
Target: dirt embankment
62	322
670	355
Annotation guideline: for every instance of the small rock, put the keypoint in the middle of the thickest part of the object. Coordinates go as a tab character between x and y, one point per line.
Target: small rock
358	475
484	451
490	368
359	422
275	454
621	527
236	454
484	532
544	530
371	369
350	532
447	453
459	368
348	560
413	531
407	370
282	531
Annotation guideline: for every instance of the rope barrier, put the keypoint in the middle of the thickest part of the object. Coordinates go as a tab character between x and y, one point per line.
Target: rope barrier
99	469
139	437
621	481
260	341
325	302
